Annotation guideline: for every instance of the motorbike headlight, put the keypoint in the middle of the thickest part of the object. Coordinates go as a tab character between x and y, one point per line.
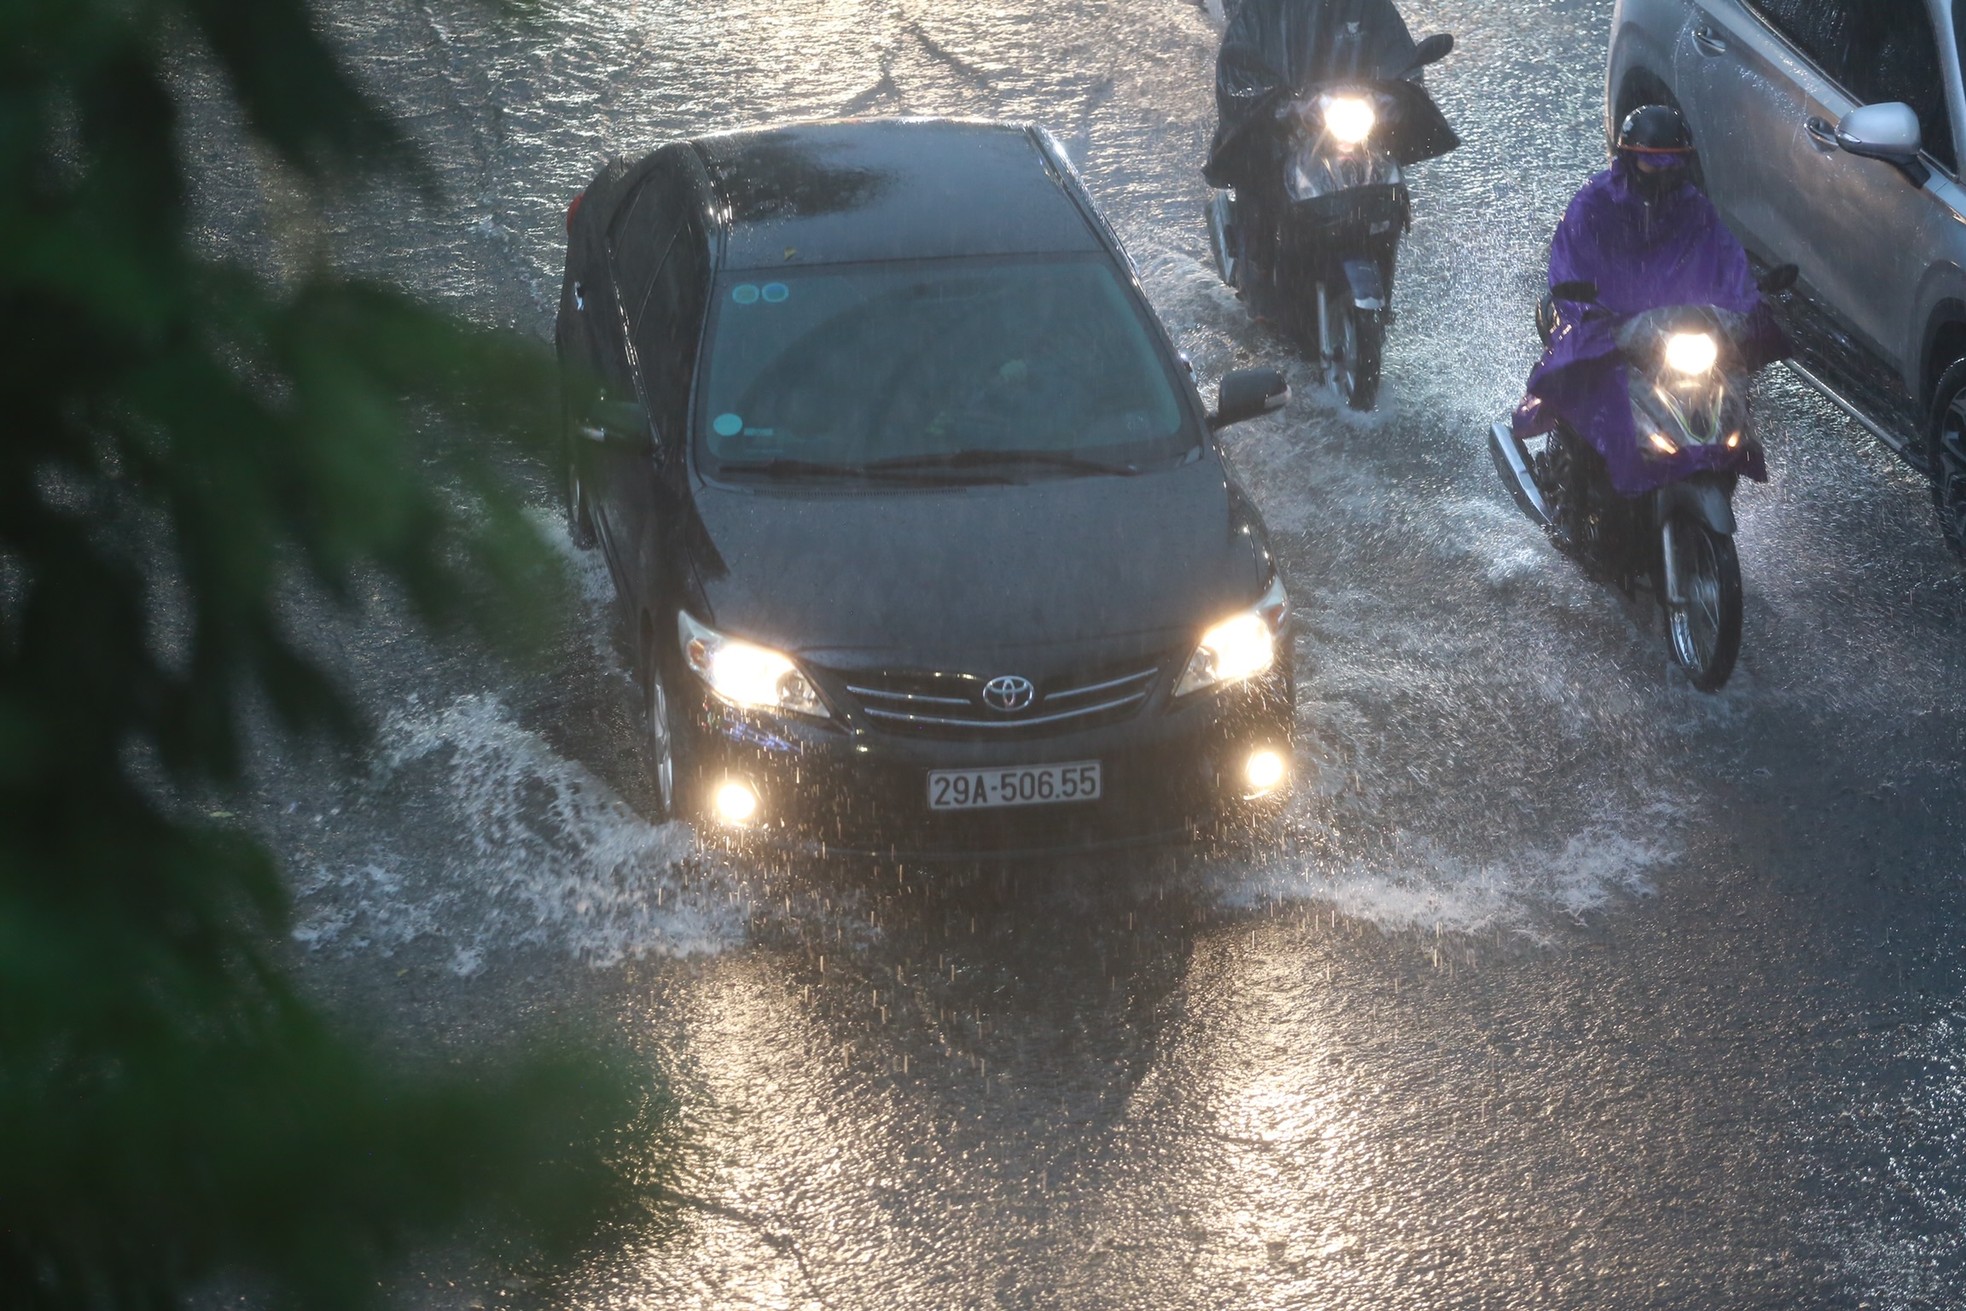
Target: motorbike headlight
1692	353
745	674
1349	119
1241	646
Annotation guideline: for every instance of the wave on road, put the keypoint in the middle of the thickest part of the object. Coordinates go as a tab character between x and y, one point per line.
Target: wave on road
517	846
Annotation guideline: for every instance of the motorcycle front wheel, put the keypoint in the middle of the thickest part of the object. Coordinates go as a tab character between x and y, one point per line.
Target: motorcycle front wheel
1705	631
1353	356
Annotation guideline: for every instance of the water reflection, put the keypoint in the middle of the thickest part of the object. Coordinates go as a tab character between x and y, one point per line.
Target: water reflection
902	1092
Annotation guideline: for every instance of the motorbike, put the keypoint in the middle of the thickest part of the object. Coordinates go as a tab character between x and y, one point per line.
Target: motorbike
1316	251
1687	382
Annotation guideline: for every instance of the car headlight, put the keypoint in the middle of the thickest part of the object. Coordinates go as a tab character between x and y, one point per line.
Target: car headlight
1349	119
1241	646
1692	353
746	674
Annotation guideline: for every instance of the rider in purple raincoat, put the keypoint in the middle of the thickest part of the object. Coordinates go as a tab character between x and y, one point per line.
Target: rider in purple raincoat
1648	238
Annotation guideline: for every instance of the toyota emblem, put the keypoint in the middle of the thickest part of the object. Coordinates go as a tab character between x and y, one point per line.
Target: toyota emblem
1009	693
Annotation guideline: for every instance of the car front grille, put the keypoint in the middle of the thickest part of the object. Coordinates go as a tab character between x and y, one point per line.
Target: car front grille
951	705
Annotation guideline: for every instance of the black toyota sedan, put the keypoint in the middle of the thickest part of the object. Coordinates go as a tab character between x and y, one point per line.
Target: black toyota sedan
921	525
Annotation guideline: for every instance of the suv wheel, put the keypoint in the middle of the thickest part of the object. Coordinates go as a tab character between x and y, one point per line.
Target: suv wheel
1947	453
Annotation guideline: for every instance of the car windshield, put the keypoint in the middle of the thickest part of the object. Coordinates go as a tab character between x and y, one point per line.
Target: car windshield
942	369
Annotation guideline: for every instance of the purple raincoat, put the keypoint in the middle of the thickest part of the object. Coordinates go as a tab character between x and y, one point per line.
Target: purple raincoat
1676	251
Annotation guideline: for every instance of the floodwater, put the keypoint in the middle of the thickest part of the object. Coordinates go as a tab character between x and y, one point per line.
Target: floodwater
1565	986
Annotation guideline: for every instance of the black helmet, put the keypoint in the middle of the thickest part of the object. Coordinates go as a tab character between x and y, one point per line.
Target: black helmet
1658	146
1655	130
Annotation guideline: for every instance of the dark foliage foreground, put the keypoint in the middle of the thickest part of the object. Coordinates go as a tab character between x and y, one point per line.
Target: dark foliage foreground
170	1110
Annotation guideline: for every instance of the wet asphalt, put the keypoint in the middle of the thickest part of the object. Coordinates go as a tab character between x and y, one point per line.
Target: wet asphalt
1563	986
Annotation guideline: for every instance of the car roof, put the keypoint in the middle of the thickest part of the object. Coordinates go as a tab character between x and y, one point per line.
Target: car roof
874	189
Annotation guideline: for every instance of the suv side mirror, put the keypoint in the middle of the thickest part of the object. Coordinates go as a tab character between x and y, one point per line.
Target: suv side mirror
1247	393
1888	131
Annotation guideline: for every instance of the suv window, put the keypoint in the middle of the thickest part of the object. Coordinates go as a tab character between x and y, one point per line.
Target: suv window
644	230
1894	55
1820	29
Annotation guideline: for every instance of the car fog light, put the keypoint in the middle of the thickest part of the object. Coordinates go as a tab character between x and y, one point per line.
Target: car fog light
1263	771
736	802
1664	444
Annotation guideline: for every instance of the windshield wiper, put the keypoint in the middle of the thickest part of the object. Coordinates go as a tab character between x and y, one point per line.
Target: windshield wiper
988	459
789	467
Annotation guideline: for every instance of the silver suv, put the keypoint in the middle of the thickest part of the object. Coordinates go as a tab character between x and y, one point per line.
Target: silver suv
1830	135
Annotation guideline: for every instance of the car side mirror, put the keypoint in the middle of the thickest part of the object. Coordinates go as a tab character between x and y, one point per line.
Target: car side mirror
619	423
1887	131
1777	280
1247	393
1581	290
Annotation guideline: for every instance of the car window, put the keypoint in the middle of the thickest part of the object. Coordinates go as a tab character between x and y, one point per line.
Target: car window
1894	55
666	323
852	364
638	239
1820	29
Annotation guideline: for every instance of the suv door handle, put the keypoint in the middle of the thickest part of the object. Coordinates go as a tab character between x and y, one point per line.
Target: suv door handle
1708	41
1823	133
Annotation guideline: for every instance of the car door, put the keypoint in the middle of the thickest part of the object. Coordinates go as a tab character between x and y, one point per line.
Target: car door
1771	79
594	366
667	326
1741	66
1868	230
620	461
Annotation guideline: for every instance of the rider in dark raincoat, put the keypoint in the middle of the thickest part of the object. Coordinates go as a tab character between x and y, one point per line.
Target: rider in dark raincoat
1281	47
1275	50
1648	238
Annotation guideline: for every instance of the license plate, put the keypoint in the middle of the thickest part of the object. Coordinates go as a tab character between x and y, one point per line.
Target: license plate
1015	785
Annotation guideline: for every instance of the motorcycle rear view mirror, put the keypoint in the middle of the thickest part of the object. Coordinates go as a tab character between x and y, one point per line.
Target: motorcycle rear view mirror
1248	393
1777	280
1431	51
1581	290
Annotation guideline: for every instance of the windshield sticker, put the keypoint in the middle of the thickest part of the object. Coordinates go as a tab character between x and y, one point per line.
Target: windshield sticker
745	293
727	425
776	292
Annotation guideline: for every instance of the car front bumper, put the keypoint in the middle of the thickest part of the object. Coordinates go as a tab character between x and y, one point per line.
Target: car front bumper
1167	772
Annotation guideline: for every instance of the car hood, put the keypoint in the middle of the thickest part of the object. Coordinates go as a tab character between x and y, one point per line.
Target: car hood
942	573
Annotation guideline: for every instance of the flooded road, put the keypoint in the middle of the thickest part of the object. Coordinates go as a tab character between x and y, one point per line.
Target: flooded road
1565	987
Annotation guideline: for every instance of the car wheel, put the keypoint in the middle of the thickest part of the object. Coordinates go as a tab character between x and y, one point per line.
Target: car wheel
1946	453
580	517
660	746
